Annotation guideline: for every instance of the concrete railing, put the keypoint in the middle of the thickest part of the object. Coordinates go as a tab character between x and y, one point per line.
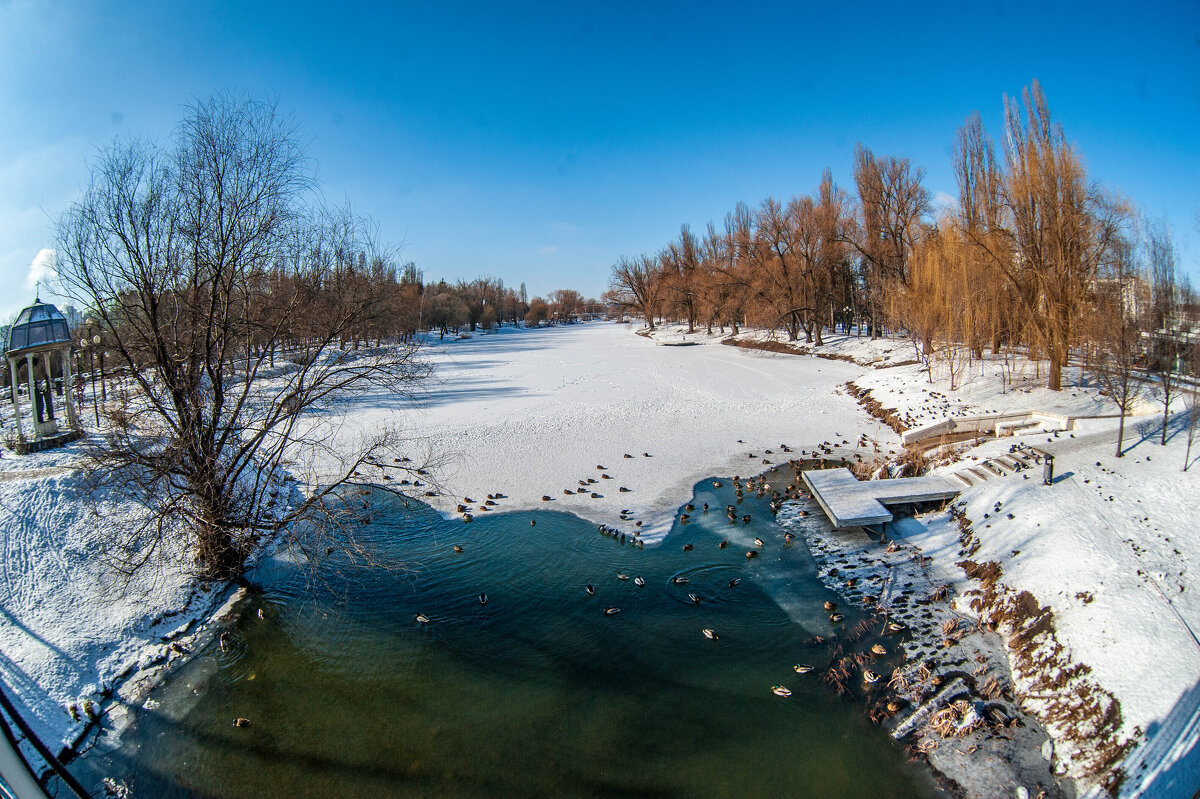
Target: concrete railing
992	424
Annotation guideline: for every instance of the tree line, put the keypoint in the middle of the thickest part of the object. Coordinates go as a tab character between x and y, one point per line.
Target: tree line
1035	260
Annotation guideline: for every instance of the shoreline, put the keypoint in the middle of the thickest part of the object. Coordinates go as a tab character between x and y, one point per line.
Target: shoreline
954	695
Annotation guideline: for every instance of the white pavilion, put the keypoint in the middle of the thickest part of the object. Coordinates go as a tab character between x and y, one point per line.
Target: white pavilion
37	339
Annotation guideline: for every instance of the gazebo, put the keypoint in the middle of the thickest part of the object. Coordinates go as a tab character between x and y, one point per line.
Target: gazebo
38	338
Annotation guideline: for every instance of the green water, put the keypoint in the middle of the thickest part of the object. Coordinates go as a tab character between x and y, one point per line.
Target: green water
536	693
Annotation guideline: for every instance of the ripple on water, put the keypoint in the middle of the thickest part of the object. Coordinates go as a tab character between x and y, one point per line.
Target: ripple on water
535	693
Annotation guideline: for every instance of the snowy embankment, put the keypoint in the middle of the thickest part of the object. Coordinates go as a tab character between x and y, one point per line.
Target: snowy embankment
1109	548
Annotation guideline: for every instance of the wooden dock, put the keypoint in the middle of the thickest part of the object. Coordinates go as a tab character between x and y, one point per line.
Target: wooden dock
849	502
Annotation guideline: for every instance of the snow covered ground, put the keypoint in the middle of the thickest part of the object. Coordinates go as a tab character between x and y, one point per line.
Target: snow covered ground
531	413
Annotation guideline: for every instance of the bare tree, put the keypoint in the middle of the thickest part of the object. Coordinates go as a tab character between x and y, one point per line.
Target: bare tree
637	285
1120	314
184	254
1166	324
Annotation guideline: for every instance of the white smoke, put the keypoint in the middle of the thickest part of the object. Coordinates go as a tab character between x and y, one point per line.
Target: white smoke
43	270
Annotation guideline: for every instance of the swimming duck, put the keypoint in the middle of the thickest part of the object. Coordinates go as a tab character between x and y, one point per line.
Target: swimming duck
802	668
869	676
895	626
788	537
638	581
591	590
836	617
723	544
746	519
533	522
717	484
241	722
612	610
878	649
680	580
483	598
422	618
709	633
687	547
734	581
830	605
779	690
622	576
695	599
752	553
225	641
758	542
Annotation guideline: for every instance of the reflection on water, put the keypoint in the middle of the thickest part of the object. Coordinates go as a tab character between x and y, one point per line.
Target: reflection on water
538	692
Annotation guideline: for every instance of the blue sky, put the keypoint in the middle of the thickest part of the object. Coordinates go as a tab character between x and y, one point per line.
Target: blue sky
538	142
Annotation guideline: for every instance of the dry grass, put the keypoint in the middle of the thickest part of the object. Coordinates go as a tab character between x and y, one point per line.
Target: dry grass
1056	689
875	407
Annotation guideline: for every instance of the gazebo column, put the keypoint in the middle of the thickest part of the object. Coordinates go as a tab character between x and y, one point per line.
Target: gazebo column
16	403
31	384
68	394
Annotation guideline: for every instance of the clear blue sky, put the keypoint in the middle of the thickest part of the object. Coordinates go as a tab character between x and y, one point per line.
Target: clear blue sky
538	142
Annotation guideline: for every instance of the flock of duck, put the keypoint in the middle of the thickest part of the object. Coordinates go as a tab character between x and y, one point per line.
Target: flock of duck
757	487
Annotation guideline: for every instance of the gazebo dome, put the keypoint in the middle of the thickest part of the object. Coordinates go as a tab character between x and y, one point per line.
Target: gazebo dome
36	326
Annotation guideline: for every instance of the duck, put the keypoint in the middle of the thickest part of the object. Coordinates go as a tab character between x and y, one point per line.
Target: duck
457	548
746	519
878	649
547	498
622	576
241	722
869	676
483	598
638	581
422	618
695	599
689	507
687	547
225	641
624	490
533	522
734	581
895	626
835	617
612	610
717	484
802	668
709	633
627	455
722	545
779	690
752	553
829	605
590	589
679	580
789	538
758	542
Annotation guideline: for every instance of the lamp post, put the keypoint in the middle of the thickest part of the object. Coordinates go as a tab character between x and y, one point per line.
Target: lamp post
103	388
87	346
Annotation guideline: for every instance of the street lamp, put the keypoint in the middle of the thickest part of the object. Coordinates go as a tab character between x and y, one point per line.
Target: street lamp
86	345
103	388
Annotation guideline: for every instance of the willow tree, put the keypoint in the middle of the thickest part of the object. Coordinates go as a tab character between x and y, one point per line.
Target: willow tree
201	261
1060	229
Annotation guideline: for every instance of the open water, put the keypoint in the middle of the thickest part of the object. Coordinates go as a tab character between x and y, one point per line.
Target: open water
536	693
